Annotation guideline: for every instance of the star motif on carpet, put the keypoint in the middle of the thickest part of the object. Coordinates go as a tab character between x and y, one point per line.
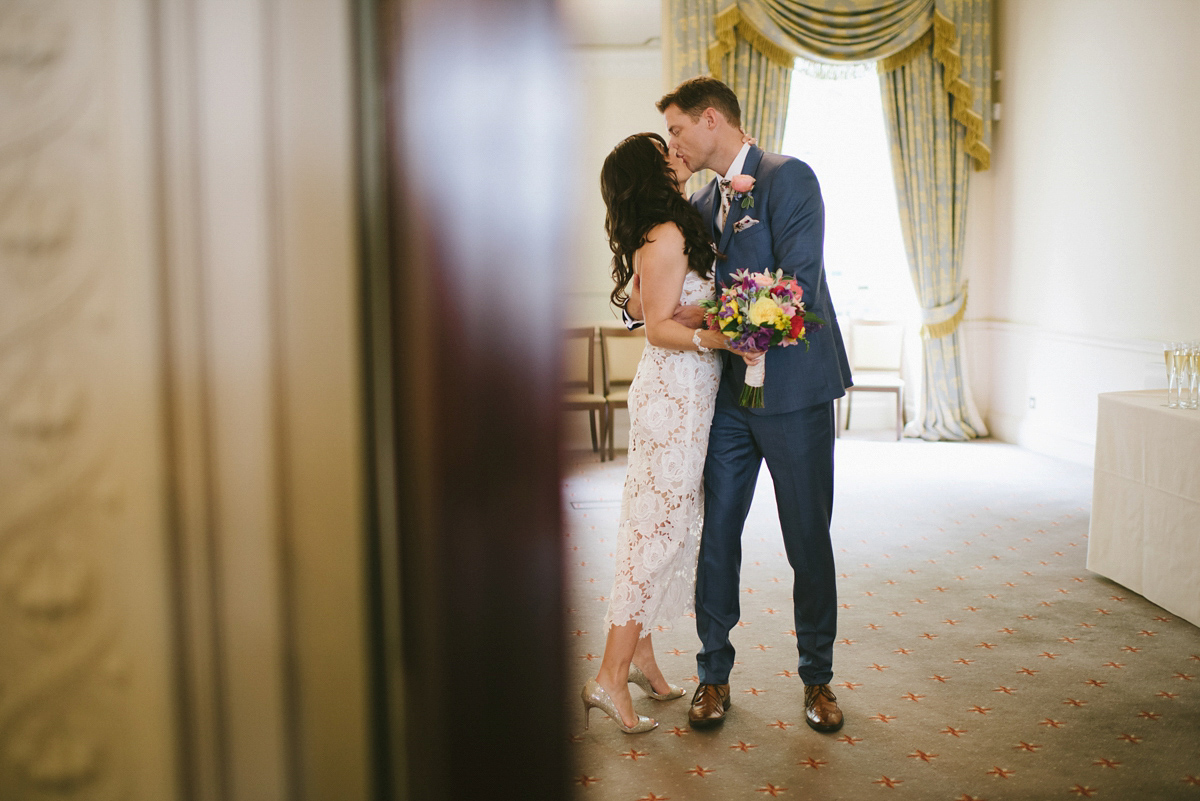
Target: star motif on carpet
815	764
743	747
999	772
1107	763
1084	792
701	772
635	754
678	731
772	790
954	731
586	781
1024	746
887	782
848	740
921	755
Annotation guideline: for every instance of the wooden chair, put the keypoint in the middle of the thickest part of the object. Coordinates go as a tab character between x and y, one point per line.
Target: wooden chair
579	388
620	352
876	352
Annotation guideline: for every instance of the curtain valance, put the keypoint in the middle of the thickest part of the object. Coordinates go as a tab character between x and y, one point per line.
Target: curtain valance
835	30
890	32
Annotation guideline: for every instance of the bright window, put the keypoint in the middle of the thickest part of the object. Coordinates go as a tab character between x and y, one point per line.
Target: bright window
837	127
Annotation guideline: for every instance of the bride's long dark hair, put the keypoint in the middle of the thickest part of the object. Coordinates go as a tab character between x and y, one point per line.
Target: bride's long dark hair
640	191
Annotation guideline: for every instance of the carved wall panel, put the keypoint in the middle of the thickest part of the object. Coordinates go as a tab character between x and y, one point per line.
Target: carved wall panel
77	525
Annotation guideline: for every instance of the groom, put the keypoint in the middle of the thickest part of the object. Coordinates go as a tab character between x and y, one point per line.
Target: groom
783	228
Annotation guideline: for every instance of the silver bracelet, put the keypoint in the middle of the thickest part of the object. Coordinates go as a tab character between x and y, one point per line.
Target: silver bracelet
696	342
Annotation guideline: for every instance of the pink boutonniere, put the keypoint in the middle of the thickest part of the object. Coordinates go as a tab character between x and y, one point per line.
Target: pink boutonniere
742	185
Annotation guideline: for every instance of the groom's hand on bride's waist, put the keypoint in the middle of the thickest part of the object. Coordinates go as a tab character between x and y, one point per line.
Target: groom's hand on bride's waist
689	316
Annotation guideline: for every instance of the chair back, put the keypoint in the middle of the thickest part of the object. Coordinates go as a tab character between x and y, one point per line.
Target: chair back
876	345
580	355
620	352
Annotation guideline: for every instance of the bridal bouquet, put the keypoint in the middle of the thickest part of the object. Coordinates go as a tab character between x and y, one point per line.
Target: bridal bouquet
758	311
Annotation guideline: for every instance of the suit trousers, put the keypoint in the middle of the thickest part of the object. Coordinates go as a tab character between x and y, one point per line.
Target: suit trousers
798	449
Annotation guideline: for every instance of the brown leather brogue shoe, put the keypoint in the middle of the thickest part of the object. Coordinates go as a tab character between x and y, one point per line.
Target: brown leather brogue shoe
821	711
709	705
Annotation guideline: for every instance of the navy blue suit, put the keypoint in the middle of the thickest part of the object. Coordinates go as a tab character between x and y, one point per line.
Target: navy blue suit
794	431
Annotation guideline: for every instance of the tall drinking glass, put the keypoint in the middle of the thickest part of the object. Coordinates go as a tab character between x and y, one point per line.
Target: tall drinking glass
1195	383
1183	368
1172	375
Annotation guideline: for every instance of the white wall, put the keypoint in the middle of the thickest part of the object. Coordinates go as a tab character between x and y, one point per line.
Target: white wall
621	85
1082	240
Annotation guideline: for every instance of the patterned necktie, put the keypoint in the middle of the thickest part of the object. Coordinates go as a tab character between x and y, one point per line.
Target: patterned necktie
726	202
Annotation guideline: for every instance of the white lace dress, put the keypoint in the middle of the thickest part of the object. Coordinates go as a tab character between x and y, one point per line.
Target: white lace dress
671	404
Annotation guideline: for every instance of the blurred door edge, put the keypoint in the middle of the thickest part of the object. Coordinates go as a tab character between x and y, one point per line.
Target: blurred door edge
467	589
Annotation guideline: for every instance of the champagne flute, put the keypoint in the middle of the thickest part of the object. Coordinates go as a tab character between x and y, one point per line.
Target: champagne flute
1195	382
1183	368
1172	375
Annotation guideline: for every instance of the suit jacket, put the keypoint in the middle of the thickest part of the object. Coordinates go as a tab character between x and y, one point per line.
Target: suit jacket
789	235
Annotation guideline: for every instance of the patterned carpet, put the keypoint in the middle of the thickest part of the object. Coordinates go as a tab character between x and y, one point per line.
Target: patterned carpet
977	657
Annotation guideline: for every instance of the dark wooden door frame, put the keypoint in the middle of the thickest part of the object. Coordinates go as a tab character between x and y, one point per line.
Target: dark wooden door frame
466	158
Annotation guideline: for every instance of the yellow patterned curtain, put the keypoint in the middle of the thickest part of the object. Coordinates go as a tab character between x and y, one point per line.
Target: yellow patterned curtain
932	168
759	73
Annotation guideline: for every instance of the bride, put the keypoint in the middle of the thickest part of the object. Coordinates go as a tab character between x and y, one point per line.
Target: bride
661	244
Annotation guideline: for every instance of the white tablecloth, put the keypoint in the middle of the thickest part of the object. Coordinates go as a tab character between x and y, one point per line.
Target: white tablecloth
1145	529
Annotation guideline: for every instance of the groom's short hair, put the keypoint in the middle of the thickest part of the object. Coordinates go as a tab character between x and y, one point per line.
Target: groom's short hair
694	95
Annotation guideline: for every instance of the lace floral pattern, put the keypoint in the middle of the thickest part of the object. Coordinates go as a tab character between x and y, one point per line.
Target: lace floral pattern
671	404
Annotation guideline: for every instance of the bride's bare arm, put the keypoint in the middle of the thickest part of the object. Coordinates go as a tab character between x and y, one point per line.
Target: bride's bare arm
663	266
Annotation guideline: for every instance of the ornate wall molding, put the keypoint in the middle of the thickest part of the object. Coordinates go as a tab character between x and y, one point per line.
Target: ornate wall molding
78	520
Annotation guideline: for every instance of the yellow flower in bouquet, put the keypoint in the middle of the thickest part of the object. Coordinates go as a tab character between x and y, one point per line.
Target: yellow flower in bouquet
765	311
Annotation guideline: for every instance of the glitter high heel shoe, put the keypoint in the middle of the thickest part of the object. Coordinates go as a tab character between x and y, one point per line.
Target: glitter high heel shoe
596	696
636	676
